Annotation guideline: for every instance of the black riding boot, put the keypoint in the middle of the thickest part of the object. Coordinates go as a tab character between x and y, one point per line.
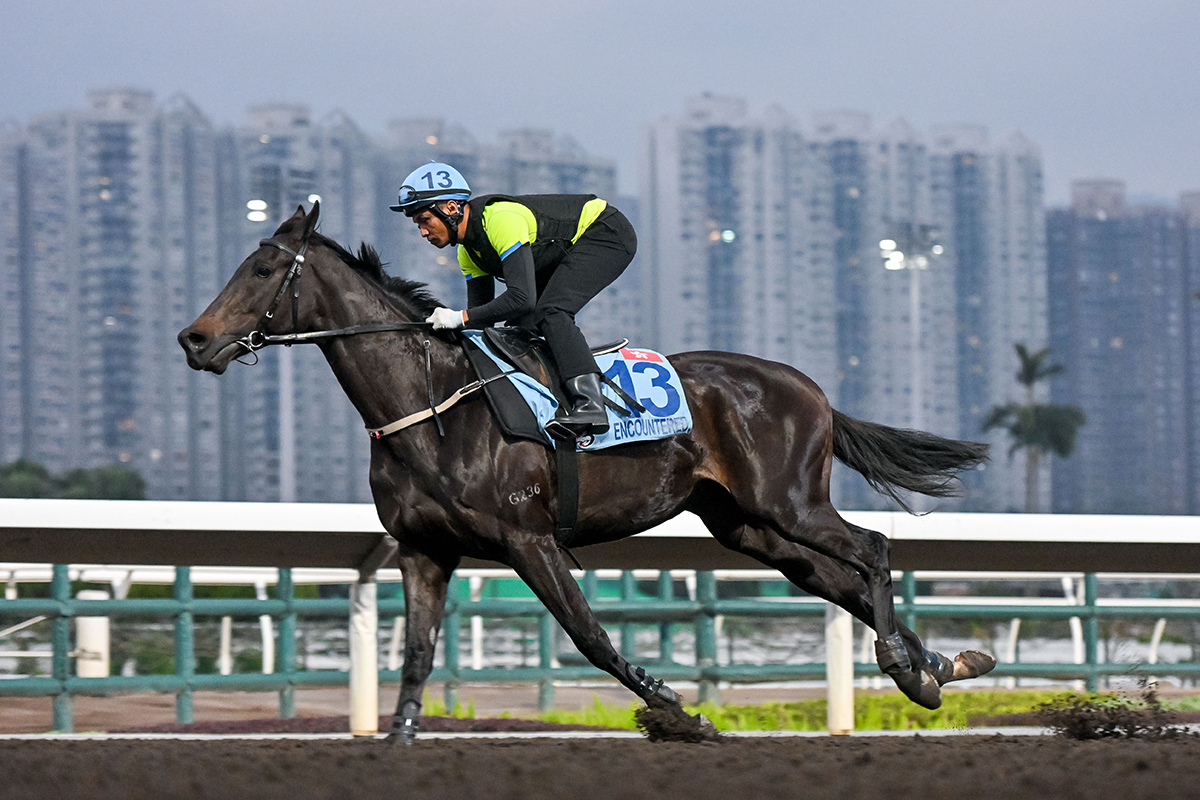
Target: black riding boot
586	415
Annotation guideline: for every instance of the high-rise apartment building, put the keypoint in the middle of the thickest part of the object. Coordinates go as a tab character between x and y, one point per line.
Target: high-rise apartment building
291	432
988	201
1189	208
736	236
110	246
16	296
1123	289
895	362
120	222
766	241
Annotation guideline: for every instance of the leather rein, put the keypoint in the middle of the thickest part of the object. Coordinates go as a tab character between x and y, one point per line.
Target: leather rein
258	338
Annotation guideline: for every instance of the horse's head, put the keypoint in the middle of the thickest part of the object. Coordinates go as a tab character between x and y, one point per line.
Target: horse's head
261	297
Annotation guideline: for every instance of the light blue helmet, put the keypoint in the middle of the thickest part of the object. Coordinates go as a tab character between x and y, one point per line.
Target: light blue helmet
430	184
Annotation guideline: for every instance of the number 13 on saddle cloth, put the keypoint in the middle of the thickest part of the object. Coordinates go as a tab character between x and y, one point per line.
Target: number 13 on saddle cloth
644	375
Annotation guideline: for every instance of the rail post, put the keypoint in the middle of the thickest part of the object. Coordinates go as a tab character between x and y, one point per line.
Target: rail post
706	636
185	645
628	629
839	670
364	656
908	589
60	637
286	589
364	640
666	631
453	626
92	645
1091	630
546	661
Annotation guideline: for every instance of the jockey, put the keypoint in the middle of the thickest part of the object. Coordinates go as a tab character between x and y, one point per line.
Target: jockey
553	253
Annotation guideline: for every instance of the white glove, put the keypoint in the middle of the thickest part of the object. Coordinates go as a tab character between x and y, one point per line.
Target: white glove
443	319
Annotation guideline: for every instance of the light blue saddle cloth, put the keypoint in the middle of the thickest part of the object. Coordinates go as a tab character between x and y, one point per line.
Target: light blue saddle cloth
644	375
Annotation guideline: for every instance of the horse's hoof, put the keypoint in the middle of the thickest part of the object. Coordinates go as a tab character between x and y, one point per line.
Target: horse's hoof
401	737
920	686
972	664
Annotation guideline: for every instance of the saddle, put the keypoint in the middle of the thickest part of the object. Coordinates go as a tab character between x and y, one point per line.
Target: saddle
530	353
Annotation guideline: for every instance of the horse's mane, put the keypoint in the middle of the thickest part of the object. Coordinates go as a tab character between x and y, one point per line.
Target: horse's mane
413	294
367	262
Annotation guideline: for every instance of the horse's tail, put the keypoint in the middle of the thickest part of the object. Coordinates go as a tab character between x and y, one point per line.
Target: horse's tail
896	458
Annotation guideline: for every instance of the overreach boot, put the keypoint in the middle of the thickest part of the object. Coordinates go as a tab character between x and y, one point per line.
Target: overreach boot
586	415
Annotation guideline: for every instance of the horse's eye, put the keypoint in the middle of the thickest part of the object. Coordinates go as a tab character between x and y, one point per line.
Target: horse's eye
263	272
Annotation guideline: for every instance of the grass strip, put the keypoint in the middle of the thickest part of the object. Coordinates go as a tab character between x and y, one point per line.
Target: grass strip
872	712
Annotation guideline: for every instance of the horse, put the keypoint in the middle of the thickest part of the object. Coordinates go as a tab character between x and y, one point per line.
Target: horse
755	467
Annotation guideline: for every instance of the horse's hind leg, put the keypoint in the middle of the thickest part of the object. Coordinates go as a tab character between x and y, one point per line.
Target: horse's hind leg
537	560
425	583
862	585
842	585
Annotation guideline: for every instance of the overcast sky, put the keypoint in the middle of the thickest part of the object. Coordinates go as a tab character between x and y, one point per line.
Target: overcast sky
1105	88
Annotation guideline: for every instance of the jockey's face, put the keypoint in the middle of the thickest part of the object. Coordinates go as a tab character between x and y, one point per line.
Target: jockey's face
432	228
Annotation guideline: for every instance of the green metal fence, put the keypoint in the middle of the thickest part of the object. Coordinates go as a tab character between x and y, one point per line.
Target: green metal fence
663	610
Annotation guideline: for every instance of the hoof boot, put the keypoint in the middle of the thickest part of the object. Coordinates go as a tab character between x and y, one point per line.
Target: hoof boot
657	688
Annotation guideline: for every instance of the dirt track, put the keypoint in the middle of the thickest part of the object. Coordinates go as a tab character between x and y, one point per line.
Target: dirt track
845	769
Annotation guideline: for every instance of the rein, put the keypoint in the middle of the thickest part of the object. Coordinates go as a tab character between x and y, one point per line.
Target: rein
258	338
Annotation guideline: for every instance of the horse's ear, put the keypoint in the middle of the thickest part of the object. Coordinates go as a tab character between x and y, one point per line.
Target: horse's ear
310	222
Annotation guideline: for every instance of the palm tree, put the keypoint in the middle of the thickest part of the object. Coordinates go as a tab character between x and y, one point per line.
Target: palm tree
1036	428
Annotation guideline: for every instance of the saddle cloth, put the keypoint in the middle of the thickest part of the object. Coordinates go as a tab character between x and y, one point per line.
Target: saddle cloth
643	375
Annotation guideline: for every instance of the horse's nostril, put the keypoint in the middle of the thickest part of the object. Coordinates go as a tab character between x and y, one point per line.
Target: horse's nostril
193	340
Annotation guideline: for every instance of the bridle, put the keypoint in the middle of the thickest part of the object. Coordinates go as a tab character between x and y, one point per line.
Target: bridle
258	338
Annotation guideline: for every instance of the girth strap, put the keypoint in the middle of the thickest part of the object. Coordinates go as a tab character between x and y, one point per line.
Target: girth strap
567	463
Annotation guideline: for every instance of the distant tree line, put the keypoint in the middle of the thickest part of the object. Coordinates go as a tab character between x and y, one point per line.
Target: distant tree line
24	478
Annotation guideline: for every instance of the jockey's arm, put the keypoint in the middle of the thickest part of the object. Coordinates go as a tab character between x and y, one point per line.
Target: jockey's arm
517	298
480	289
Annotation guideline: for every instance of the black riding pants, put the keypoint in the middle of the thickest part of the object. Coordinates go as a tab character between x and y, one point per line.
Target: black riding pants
597	259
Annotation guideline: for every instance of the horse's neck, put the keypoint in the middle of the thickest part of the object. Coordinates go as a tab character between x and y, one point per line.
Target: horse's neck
383	374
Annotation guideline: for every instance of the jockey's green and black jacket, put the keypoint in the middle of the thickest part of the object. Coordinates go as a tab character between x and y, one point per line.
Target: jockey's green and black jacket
516	240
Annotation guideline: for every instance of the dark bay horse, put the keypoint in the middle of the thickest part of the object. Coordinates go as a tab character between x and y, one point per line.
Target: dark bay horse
755	467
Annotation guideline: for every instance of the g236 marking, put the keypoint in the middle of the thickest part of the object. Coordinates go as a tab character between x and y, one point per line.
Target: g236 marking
521	495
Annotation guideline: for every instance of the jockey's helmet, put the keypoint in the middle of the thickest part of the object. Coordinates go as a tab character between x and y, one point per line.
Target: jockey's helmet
430	184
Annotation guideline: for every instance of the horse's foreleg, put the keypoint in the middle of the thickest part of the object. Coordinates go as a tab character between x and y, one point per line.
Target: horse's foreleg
539	563
425	583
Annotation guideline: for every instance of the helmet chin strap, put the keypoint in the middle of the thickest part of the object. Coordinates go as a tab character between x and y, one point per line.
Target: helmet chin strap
452	220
